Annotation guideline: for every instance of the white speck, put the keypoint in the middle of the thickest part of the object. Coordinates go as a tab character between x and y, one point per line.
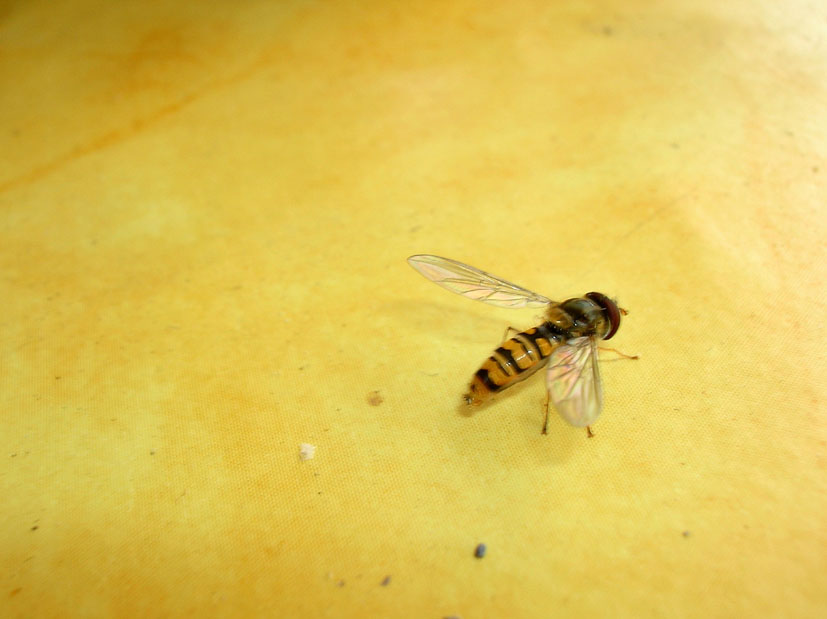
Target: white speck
307	451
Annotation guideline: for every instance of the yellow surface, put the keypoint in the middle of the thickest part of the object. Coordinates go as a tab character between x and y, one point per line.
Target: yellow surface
205	211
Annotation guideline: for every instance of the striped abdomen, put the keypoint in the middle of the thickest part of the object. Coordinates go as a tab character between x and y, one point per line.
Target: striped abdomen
517	359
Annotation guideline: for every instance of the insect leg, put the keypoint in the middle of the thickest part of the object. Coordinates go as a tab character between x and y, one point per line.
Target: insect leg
545	423
508	331
589	433
617	352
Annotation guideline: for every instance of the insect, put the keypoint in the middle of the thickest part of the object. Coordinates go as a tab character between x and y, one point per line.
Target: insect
566	340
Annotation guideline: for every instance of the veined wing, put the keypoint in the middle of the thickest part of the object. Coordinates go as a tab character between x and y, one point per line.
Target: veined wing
573	381
475	284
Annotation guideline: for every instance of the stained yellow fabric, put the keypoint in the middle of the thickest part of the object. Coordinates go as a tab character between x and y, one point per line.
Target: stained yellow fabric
205	210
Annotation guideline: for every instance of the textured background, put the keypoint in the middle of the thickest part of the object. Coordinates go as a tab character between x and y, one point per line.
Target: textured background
205	212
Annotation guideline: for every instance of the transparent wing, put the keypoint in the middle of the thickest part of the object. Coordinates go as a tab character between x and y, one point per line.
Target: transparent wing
475	284
573	381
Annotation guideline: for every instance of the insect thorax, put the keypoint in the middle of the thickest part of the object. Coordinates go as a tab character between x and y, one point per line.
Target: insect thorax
579	317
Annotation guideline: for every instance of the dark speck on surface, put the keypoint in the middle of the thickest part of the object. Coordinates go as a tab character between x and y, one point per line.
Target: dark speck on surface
386	581
479	551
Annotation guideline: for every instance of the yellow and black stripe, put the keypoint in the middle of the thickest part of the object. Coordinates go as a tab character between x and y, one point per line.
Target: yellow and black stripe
517	359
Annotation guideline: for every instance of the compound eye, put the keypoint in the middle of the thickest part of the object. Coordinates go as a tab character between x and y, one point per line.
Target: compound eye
610	307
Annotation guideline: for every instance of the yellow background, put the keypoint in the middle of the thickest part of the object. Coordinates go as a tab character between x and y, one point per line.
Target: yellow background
205	211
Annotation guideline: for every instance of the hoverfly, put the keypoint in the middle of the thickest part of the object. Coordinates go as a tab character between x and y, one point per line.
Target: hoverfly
566	340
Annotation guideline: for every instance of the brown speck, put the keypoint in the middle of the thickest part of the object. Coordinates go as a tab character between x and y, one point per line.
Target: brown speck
375	398
386	581
686	534
479	551
341	583
608	31
15	591
57	377
35	528
151	452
